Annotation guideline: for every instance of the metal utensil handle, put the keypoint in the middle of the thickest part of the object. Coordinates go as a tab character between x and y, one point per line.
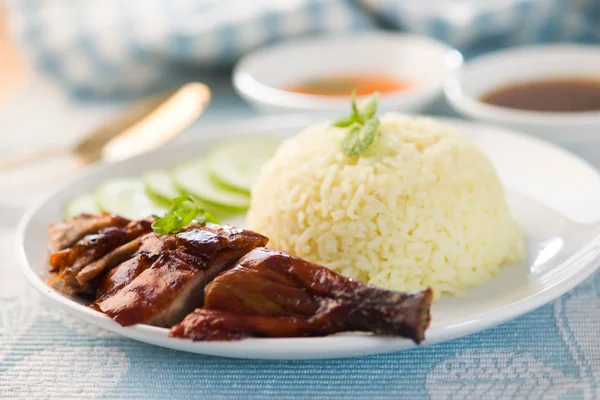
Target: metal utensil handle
31	156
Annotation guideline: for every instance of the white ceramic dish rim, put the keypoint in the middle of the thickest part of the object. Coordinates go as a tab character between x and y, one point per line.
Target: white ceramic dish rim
472	106
331	346
247	85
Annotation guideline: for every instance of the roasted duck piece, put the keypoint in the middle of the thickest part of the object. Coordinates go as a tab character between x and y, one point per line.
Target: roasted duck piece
269	293
121	275
206	324
66	234
69	262
140	277
148	243
169	289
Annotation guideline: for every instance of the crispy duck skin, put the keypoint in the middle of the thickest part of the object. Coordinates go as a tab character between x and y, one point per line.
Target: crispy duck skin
205	324
66	234
97	244
70	261
269	293
121	275
149	243
173	286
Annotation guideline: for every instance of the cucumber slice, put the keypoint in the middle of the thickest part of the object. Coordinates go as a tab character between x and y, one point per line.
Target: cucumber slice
85	203
194	179
160	187
126	197
217	210
236	163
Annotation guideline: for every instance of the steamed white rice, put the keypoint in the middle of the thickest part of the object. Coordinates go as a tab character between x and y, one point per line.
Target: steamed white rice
422	207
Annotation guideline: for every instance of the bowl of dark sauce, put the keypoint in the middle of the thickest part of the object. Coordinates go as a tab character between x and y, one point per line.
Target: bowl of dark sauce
550	91
551	95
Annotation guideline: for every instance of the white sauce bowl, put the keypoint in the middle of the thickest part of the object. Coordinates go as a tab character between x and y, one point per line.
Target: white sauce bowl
261	76
496	70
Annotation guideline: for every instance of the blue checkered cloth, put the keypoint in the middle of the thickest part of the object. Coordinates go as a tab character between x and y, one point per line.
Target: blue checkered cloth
115	47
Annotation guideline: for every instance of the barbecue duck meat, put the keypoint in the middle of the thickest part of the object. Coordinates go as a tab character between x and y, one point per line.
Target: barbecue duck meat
97	244
118	277
148	244
69	262
206	324
67	233
173	286
269	293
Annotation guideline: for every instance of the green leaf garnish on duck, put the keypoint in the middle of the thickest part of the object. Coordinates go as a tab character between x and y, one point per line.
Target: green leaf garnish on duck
183	211
363	126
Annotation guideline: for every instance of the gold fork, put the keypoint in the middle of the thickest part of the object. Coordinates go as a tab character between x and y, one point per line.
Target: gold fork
145	126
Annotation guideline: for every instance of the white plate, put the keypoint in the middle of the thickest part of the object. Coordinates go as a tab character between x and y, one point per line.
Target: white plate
548	190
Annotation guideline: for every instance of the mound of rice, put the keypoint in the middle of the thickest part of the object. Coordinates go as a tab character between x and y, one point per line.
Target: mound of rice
422	207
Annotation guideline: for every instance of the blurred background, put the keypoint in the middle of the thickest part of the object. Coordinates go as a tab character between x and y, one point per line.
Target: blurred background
66	66
113	48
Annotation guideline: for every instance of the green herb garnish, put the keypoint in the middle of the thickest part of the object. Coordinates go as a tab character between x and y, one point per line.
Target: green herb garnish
360	138
183	211
363	124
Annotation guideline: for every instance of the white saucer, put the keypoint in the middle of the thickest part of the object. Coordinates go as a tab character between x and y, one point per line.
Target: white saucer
553	194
